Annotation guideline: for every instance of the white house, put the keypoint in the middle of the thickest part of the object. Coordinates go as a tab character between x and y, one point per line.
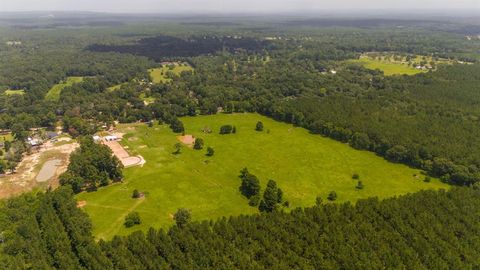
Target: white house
110	138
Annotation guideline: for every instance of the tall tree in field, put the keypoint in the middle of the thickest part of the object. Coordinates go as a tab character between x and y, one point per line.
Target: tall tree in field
210	151
259	126
250	184
271	197
182	217
198	144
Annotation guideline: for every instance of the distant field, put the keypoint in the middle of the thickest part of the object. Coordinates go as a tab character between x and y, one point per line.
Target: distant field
388	68
304	166
54	93
392	64
159	75
10	92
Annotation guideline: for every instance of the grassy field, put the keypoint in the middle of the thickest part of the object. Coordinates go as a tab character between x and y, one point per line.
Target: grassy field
159	75
304	166
388	68
10	92
392	64
54	93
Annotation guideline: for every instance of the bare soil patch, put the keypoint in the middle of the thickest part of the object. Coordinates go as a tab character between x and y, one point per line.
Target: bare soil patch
187	139
24	179
122	154
81	204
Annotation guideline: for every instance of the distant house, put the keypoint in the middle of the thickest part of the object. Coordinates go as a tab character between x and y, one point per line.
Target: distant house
96	138
34	141
51	135
110	138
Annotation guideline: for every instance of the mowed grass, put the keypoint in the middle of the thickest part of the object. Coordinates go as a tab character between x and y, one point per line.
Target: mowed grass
388	68
304	165
54	93
10	92
159	75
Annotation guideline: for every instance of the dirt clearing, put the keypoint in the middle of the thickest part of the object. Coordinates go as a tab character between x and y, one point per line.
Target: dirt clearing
187	139
25	178
122	154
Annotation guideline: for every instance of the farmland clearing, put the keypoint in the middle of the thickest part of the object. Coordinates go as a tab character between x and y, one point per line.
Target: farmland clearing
304	166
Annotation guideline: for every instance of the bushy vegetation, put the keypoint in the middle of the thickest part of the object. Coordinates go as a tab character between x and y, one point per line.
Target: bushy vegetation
426	230
92	165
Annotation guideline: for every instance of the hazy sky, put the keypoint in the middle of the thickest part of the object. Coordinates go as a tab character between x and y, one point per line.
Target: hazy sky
169	6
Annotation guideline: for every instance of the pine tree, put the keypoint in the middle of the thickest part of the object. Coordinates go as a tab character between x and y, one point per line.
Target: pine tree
270	197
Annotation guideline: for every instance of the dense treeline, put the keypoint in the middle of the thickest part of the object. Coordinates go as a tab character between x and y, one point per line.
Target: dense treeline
48	231
164	47
426	230
90	166
419	121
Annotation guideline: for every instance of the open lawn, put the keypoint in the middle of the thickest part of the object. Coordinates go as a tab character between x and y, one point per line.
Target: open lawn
159	75
304	166
392	64
54	93
10	92
388	68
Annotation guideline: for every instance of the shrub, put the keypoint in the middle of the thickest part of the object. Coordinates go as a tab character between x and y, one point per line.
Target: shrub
332	196
132	219
359	185
210	151
226	129
259	126
427	179
355	176
198	144
136	194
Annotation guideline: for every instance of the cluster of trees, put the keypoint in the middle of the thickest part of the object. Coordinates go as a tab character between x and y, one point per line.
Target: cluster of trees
228	129
250	188
426	230
177	126
90	166
132	219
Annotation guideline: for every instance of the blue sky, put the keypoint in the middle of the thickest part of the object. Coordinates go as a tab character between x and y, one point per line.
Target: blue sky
237	6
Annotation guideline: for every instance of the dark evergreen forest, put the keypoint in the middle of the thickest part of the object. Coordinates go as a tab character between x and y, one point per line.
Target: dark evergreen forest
426	230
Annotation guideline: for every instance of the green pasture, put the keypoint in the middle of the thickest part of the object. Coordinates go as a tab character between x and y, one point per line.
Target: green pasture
304	165
160	75
388	68
54	93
